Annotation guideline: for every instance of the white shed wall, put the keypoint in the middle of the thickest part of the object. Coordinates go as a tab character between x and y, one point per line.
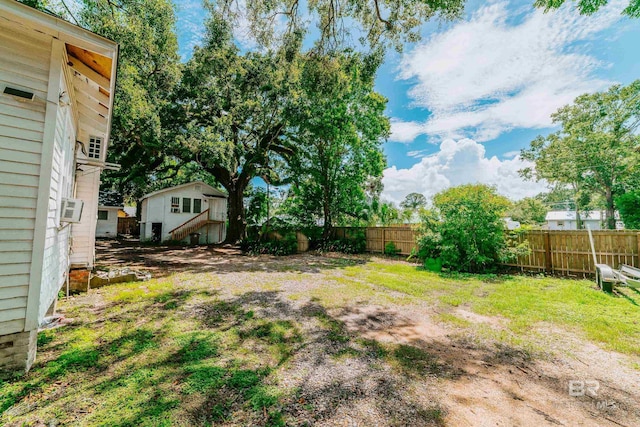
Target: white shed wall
108	227
84	232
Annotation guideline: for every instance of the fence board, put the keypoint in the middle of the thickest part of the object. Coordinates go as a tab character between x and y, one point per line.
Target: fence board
303	242
566	252
128	225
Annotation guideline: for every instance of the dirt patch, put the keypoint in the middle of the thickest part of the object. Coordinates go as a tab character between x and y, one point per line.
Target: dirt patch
388	325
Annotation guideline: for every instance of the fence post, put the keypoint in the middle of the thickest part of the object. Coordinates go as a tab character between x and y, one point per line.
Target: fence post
547	253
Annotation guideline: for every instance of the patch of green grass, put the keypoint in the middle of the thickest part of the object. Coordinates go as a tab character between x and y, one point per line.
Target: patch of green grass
197	345
280	336
414	360
141	361
45	337
613	322
203	378
337	332
454	320
153	290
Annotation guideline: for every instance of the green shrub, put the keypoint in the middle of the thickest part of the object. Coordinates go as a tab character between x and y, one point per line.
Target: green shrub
354	244
391	249
629	206
466	231
287	245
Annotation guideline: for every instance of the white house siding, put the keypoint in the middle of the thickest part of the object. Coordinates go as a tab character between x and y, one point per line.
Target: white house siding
108	227
56	251
84	232
24	65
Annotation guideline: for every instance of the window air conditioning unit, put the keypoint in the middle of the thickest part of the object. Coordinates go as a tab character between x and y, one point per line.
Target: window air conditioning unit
71	210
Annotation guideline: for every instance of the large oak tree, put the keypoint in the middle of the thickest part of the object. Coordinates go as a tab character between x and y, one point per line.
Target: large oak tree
230	114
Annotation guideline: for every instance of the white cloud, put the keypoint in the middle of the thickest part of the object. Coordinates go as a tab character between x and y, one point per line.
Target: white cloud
487	75
456	163
405	131
417	154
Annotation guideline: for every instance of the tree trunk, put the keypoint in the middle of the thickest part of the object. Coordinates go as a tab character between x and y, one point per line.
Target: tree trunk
326	232
235	210
326	211
610	213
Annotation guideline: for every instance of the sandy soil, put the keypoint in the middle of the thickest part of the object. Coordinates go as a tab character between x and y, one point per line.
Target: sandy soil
475	383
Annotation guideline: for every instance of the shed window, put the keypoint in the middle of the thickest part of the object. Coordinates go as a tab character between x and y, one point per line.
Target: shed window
175	205
95	147
103	215
186	205
560	223
197	205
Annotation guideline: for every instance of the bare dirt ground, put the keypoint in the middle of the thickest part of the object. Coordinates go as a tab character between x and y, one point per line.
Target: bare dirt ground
473	382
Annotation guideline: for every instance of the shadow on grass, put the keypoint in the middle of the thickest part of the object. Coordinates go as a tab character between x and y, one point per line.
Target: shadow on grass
623	294
229	368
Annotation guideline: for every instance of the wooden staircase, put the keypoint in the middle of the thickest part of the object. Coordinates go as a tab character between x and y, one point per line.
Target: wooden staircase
190	226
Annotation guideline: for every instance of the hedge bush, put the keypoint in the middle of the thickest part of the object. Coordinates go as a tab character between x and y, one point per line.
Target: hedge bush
466	232
287	245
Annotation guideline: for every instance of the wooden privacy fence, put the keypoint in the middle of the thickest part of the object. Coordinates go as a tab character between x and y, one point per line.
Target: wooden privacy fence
565	252
377	237
128	225
569	252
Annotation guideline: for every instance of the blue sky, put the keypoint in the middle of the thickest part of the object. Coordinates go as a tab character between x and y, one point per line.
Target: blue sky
475	91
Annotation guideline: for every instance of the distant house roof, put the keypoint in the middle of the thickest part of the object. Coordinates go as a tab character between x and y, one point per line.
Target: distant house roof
571	216
209	190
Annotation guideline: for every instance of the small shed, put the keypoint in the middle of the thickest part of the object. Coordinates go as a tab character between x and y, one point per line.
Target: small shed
107	226
110	205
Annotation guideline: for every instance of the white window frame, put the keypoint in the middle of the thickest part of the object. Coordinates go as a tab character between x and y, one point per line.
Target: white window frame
106	218
175	205
96	144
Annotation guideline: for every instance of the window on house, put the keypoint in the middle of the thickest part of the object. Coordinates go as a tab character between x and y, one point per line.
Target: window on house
186	205
103	215
560	223
175	205
95	147
197	205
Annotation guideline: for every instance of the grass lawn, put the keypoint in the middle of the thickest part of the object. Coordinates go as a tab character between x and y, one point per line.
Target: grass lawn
575	305
271	347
